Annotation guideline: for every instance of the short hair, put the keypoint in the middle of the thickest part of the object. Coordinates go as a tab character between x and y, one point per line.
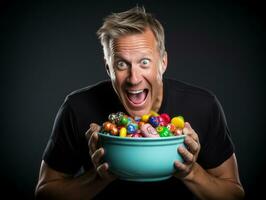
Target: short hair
135	20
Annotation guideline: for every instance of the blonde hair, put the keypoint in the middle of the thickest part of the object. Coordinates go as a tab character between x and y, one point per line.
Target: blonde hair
135	20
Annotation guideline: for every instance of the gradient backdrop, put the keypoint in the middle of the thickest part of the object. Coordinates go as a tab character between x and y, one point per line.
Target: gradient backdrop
49	49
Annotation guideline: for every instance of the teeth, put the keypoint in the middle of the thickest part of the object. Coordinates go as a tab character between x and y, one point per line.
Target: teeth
135	91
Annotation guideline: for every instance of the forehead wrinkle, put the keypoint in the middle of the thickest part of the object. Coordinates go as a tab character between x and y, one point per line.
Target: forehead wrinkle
132	45
130	56
131	51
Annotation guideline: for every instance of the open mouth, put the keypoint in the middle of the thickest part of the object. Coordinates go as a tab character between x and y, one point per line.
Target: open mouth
137	97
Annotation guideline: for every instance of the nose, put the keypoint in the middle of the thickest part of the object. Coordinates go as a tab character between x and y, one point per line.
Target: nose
134	77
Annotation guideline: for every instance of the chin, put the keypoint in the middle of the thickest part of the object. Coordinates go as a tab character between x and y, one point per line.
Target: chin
138	113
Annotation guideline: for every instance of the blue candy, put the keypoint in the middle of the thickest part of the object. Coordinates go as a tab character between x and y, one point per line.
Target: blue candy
154	121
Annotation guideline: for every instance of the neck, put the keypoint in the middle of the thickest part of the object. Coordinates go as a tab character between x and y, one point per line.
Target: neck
158	102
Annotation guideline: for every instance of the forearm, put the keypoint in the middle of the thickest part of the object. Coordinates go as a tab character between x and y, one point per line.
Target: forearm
85	186
207	186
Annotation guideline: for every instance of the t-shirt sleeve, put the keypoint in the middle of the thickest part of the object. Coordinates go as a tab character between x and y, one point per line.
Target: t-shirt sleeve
62	150
218	146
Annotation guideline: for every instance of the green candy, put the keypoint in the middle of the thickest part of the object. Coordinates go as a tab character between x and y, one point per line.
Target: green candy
163	131
123	121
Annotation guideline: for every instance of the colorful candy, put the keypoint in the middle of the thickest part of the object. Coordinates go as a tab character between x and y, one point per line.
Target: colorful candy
163	131
178	122
123	132
123	120
131	128
148	125
148	131
154	121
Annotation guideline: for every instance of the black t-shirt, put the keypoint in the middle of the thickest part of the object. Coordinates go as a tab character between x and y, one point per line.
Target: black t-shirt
67	149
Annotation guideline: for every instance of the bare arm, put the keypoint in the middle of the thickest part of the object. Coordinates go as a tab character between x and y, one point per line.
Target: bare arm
56	185
221	182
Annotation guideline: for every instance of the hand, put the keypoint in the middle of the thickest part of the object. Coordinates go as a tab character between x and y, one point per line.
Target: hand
97	153
189	154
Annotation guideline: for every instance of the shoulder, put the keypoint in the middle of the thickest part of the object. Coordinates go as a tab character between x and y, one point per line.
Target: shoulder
91	91
90	97
188	91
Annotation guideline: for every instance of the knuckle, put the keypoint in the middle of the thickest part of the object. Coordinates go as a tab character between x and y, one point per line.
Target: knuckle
93	157
189	158
101	169
94	127
187	170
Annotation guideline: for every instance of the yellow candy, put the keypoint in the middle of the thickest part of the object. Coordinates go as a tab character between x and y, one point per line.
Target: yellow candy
153	113
178	122
145	118
123	132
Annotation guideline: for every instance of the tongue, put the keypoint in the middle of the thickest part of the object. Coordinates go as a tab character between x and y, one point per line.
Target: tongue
137	98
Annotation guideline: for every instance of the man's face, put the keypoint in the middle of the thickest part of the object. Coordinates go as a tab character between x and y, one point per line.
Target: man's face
136	72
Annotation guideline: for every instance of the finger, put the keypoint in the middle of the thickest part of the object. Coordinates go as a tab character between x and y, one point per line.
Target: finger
97	157
186	155
103	171
181	167
187	125
93	128
186	131
191	133
187	128
93	143
191	144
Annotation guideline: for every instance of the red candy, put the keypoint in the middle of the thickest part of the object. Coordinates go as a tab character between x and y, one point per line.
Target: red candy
166	118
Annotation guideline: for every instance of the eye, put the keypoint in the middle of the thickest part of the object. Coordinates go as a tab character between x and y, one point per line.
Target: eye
145	61
121	65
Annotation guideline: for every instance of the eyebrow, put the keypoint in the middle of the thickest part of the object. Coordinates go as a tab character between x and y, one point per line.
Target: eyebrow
120	57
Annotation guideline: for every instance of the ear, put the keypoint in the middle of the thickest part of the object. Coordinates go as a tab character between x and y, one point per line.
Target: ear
164	62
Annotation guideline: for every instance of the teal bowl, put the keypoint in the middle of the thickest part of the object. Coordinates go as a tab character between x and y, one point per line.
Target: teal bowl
141	159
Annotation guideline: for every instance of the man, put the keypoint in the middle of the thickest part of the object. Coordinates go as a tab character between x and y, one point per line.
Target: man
135	56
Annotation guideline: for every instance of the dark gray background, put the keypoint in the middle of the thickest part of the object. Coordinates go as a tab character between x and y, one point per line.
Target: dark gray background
49	49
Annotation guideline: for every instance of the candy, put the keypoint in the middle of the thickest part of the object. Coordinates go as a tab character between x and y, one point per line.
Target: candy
148	131
123	120
112	117
162	122
153	114
131	128
145	118
114	131
178	122
149	125
107	126
171	127
137	135
166	118
163	131
178	132
141	123
137	119
123	132
154	121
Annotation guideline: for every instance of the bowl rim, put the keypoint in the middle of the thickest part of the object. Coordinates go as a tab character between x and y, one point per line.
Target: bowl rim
142	138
